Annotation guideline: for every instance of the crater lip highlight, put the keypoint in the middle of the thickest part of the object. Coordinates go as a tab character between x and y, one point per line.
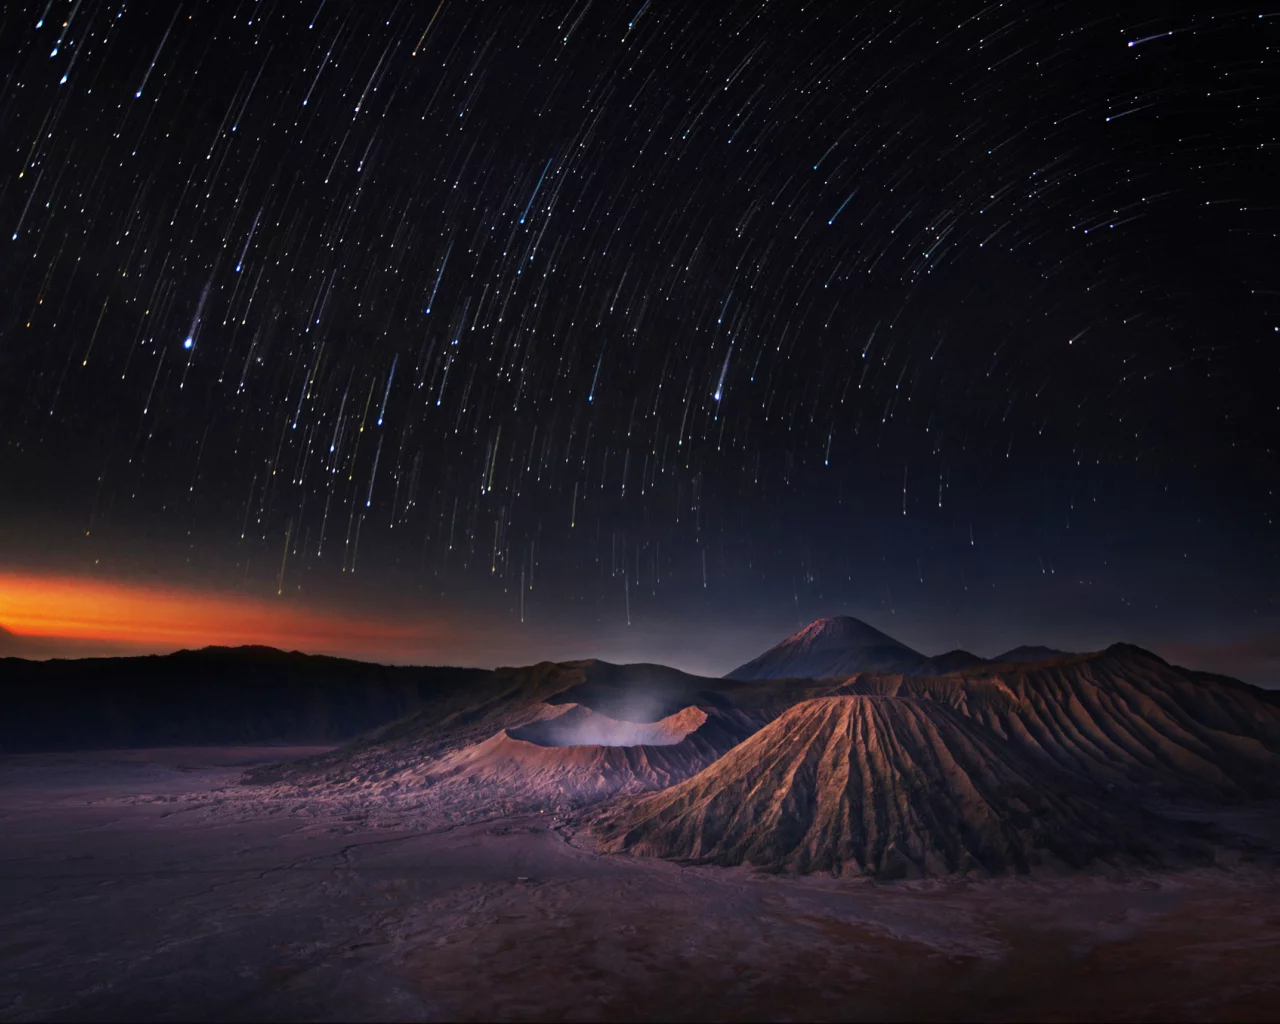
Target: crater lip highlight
580	726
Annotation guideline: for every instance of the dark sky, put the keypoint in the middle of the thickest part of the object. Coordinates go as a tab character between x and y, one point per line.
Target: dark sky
651	330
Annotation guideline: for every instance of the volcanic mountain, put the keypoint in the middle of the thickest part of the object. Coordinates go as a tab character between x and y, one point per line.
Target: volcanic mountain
844	645
825	648
994	768
887	786
945	764
548	736
215	695
1120	719
571	756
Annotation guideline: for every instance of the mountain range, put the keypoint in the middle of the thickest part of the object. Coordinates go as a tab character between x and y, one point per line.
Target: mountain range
843	645
217	695
837	750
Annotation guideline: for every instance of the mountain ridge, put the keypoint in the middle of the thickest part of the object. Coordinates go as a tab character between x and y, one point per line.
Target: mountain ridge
843	645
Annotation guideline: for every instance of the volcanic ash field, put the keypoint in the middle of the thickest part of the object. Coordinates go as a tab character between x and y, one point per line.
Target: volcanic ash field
1079	836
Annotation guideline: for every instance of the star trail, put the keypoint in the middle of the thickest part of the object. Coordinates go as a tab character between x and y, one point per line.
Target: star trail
623	324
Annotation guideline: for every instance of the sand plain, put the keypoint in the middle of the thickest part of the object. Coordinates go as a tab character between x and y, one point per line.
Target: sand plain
150	885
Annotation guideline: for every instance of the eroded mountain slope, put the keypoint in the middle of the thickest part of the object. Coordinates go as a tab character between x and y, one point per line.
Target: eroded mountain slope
889	786
1121	718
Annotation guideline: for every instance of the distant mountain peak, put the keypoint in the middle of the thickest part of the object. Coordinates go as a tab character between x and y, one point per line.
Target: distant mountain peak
837	646
843	629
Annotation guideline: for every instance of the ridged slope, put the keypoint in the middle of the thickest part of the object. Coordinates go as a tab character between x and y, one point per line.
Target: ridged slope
871	785
1122	718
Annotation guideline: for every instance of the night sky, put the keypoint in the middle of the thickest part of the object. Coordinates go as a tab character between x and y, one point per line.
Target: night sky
486	332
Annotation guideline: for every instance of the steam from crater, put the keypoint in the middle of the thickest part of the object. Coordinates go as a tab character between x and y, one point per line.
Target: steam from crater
580	726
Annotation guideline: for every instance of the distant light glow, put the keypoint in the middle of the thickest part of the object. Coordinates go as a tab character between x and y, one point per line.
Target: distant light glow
164	618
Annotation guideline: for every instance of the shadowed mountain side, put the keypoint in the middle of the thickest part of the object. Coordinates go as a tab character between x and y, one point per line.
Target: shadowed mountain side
828	648
890	787
503	698
1121	718
1029	652
952	661
210	696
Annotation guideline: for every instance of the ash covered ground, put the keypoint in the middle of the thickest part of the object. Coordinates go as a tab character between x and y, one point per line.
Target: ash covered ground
1063	837
155	884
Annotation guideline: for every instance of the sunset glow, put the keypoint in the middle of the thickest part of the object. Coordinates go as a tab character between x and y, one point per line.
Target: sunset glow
164	618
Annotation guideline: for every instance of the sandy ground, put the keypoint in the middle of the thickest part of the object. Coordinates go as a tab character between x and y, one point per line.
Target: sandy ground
147	885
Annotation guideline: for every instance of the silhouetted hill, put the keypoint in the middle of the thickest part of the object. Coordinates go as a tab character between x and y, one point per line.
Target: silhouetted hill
209	696
1029	652
952	661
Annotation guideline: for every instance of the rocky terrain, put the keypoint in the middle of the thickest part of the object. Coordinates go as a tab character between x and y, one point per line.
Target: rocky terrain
886	786
1121	719
993	767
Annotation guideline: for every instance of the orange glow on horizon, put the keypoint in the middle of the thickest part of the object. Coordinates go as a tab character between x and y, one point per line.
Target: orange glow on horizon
160	617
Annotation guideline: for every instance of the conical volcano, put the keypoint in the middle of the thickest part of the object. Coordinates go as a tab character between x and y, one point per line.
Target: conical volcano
837	646
885	786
